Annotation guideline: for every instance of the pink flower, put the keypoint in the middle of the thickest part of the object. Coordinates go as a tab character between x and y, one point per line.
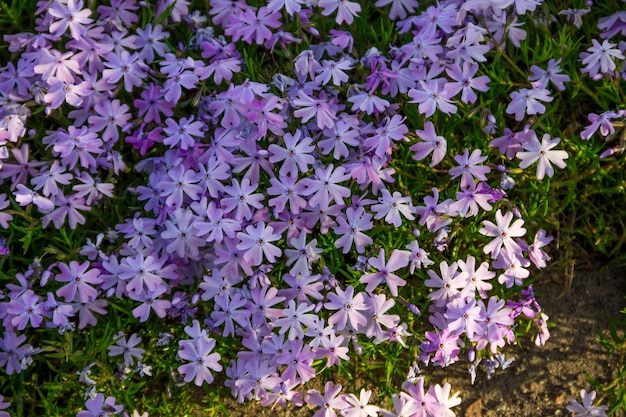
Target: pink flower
432	143
431	96
503	233
328	403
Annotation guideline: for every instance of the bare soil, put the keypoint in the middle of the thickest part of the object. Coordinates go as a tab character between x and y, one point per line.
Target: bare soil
541	379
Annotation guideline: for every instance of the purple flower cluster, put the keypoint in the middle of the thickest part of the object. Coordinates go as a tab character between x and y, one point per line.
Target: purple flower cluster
242	189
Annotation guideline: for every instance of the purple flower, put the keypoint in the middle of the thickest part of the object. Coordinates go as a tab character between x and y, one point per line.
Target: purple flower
324	110
66	207
350	308
536	255
110	115
60	312
150	41
129	67
337	138
71	16
298	360
82	144
397	260
297	154
469	167
252	27
303	255
78	277
431	97
466	82
528	101
544	153
241	197
255	241
60	91
12	353
183	234
378	305
151	105
183	133
465	316
121	12
28	308
24	168
514	265
141	274
399	10
478	277
586	409
48	179
98	406
602	122
25	196
126	348
217	225
368	102
448	286
511	142
352	229
468	200
392	130
540	77
52	63
4	405
599	58
391	206
181	182
325	187
294	317
230	310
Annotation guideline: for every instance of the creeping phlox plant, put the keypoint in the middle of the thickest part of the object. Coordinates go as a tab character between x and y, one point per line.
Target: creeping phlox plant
257	193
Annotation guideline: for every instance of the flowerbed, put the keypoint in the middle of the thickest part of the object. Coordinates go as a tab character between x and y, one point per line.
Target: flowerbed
270	192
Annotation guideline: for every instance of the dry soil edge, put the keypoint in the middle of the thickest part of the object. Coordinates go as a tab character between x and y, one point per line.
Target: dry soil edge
541	379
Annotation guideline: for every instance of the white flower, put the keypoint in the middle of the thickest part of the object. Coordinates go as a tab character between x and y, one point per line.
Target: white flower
544	153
